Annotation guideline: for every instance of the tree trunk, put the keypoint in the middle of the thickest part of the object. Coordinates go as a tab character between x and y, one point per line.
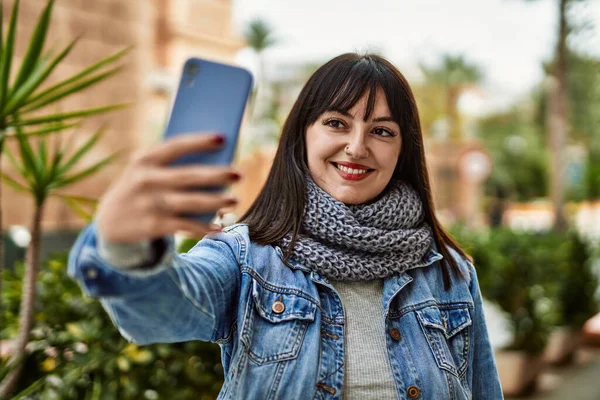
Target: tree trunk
8	385
557	120
452	111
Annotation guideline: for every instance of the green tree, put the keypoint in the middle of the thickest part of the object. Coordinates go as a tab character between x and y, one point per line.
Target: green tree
259	36
452	75
558	112
22	98
583	86
515	142
42	174
21	101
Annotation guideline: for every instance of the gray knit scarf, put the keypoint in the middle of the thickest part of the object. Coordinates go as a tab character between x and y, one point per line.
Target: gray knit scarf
361	242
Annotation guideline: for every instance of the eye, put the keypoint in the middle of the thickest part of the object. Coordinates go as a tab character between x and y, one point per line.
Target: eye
384	132
334	123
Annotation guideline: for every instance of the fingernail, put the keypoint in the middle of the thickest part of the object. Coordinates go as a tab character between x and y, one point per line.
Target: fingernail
235	176
219	139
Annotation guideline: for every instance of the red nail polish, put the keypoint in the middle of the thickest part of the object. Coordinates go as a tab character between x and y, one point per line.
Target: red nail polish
231	201
219	140
235	176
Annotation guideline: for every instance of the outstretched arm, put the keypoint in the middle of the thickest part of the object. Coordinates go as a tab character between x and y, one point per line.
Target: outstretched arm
184	297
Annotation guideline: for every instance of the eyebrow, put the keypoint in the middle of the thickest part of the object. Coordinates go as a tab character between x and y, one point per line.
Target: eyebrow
347	114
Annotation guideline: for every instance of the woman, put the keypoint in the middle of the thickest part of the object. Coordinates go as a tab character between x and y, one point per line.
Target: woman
339	283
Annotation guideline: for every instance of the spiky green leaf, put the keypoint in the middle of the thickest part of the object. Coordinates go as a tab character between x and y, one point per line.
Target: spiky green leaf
13	160
43	155
19	98
87	146
27	155
70	115
1	33
55	96
46	130
7	54
87	172
14	184
79	76
57	156
36	45
80	211
80	199
31	389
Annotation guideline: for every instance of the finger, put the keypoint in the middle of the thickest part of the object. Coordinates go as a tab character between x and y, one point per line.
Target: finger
195	202
178	177
181	145
171	225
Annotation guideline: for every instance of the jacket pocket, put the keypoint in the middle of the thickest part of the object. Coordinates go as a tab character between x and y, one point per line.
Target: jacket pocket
448	337
275	323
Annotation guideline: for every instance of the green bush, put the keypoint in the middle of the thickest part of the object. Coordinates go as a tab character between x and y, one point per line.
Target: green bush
539	279
577	285
79	354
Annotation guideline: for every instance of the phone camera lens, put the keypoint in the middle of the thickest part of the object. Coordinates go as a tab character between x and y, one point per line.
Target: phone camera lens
193	69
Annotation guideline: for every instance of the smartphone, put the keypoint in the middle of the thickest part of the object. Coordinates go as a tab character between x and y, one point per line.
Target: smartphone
211	97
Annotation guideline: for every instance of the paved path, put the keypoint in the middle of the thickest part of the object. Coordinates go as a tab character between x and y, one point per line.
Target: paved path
580	381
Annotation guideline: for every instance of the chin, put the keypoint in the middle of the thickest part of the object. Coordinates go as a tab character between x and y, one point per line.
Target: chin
351	198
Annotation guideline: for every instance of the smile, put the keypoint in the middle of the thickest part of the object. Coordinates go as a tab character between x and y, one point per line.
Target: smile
352	174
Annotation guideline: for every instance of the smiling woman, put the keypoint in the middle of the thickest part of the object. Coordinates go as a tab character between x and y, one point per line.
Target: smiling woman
352	155
339	283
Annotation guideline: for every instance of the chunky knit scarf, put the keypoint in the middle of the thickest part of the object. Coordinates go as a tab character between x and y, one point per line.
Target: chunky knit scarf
361	242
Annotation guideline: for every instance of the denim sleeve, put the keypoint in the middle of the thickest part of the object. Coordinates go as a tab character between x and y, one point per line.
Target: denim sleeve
185	297
486	382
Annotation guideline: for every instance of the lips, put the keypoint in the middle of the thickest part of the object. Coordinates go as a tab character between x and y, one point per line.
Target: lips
350	173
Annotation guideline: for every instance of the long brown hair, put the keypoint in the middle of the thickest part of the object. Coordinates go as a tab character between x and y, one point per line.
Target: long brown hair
338	85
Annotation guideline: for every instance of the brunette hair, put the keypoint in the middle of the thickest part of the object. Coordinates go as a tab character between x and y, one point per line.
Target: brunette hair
338	85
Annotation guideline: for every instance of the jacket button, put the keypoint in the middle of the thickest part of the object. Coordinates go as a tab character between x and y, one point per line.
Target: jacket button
278	307
395	334
413	392
91	273
326	388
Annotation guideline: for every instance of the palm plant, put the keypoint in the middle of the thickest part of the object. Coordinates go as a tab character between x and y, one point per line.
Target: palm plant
42	175
259	37
453	76
22	101
23	98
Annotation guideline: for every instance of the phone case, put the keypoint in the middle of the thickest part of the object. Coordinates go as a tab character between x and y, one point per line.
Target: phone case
211	97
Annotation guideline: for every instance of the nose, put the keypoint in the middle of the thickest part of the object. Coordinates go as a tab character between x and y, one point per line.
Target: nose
357	147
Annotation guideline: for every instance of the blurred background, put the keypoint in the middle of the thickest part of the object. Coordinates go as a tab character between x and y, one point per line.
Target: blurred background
509	98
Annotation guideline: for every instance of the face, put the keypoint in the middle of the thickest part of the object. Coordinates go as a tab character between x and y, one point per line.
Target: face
349	158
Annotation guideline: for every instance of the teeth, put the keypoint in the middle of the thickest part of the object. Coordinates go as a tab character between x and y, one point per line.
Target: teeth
351	170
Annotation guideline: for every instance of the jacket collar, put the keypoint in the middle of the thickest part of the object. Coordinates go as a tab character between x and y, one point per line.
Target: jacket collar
393	284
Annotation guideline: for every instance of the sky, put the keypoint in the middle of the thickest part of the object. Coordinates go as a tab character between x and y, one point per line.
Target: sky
508	39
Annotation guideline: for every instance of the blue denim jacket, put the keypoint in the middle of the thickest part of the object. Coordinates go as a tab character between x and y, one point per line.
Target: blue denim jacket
281	326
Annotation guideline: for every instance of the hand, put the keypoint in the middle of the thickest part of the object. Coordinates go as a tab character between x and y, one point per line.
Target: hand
145	202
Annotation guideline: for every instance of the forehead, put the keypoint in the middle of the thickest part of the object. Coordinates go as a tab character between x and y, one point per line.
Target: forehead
380	106
367	106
